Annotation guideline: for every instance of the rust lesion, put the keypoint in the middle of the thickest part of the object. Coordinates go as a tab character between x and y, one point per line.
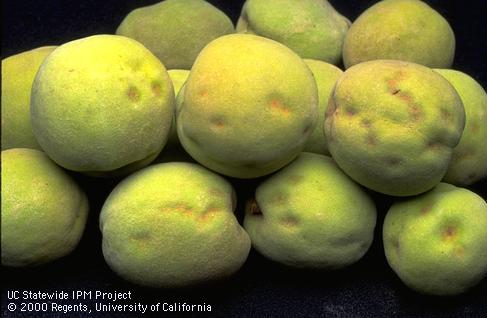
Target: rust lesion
425	209
133	94
289	221
179	208
277	105
217	122
156	88
393	82
449	233
208	214
394	89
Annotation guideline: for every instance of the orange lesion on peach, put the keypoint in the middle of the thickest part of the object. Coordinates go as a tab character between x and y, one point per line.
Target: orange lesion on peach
208	214
156	88
180	208
277	105
133	94
289	221
449	233
426	208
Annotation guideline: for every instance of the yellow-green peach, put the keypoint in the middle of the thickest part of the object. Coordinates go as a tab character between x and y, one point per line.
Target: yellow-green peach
407	30
178	78
326	76
43	210
311	28
176	30
311	215
469	161
250	105
102	105
172	225
437	242
392	126
18	72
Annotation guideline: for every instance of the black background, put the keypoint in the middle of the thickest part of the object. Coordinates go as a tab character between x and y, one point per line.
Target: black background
261	288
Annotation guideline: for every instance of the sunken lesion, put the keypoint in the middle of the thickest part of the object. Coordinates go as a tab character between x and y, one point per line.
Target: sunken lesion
156	88
217	123
449	233
371	139
277	105
133	93
426	208
180	208
289	221
208	214
393	88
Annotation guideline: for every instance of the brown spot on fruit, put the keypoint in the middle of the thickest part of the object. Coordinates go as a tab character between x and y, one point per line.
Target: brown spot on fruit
459	251
133	94
366	123
208	214
445	114
278	106
449	233
279	199
289	221
394	81
156	88
426	208
415	112
295	179
351	111
217	122
371	140
141	235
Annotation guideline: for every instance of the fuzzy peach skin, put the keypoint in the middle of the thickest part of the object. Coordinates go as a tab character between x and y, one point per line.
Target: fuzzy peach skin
44	211
250	105
172	225
392	126
102	105
437	242
18	73
176	30
469	161
408	30
311	28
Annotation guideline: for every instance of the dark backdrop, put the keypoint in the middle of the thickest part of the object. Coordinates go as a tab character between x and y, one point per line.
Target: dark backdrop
261	288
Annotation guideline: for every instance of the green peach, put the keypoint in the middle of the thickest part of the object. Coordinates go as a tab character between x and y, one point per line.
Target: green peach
326	76
437	242
178	78
407	30
392	126
469	160
239	116
311	215
102	105
172	225
43	210
311	28
176	30
18	72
